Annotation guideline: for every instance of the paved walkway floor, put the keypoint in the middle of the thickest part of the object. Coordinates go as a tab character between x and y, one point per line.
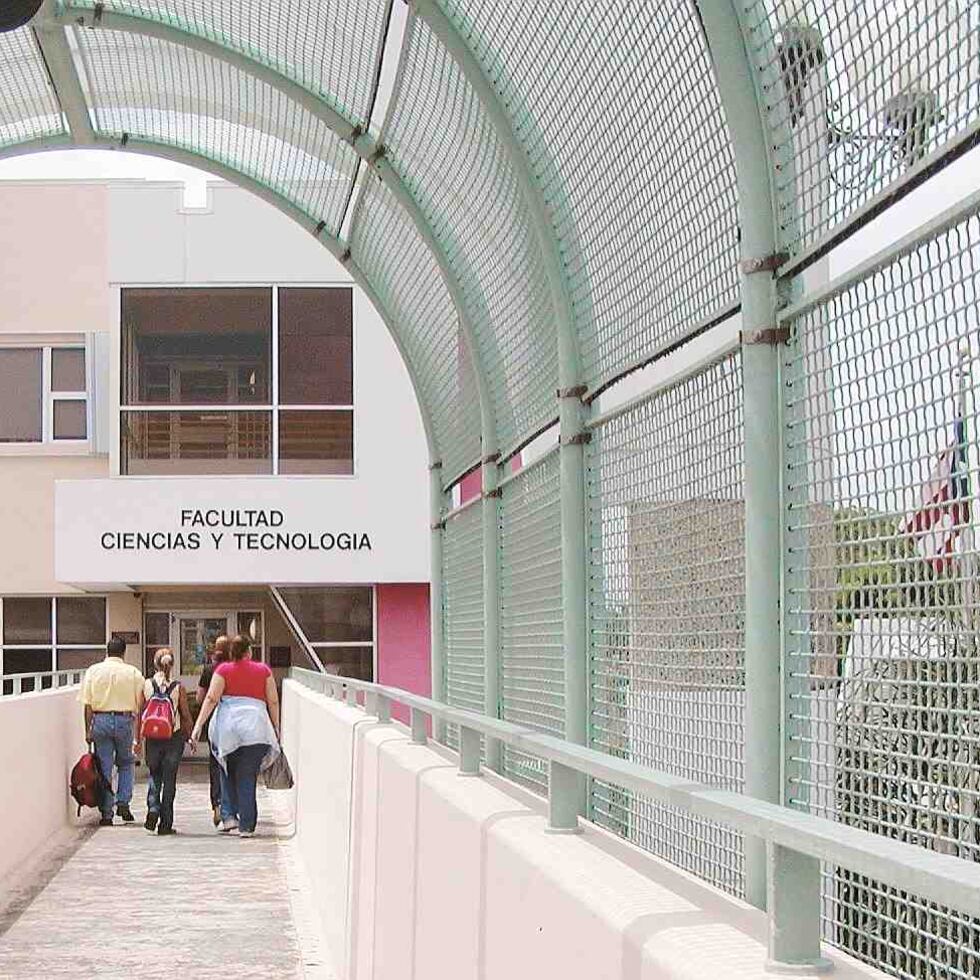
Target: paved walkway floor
117	902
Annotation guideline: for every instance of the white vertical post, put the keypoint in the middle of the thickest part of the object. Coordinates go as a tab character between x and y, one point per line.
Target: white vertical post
793	901
469	751
274	380
419	736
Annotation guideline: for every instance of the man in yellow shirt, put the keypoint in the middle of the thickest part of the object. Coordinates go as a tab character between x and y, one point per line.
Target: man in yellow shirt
112	694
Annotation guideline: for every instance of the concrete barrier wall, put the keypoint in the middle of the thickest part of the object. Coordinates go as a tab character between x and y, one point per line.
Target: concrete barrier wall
455	878
41	737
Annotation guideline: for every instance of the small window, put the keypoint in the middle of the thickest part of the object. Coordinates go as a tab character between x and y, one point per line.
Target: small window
26	621
80	620
70	419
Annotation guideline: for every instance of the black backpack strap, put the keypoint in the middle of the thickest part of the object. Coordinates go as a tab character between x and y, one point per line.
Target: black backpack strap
173	687
156	687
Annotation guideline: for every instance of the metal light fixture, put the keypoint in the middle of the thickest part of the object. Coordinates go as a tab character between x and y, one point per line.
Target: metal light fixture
801	53
16	13
908	116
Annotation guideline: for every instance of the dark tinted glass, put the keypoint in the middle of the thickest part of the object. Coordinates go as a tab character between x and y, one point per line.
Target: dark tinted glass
70	420
79	659
68	369
195	443
20	395
81	620
196	346
26	661
316	442
157	626
316	346
334	615
27	621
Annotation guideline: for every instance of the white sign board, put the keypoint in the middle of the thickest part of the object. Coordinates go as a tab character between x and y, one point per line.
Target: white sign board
233	531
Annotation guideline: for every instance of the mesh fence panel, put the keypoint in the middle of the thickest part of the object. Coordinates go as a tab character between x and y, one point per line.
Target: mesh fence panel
330	47
437	126
667	606
623	125
857	94
462	556
881	587
388	249
167	94
28	107
532	683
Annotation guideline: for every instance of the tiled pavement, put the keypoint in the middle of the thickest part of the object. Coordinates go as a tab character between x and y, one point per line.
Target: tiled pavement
118	902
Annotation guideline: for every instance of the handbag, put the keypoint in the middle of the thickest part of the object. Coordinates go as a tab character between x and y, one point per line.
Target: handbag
279	775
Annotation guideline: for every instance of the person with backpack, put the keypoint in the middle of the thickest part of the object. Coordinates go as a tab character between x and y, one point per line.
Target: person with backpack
112	695
164	727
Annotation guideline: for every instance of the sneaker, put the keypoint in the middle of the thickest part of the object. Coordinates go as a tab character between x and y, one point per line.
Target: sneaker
166	832
216	815
105	822
123	810
150	824
227	826
246	833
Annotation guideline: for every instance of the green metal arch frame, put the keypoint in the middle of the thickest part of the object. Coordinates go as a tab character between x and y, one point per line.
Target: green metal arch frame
334	246
362	143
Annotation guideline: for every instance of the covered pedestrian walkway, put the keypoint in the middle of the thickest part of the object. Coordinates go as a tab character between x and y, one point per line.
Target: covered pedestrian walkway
688	293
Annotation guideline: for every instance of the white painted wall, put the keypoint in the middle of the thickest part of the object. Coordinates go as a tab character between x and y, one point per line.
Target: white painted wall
41	737
456	877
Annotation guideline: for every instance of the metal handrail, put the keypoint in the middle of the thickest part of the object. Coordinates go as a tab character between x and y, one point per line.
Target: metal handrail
796	842
55	679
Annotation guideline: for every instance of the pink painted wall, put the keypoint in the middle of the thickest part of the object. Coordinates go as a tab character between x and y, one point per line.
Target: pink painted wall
403	640
470	486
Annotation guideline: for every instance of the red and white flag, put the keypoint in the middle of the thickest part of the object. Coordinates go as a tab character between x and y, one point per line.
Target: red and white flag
945	509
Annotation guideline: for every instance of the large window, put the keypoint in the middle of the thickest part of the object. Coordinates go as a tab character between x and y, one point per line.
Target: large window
237	381
338	622
43	633
44	395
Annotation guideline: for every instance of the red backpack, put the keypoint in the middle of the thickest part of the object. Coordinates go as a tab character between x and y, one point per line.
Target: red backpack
158	715
88	784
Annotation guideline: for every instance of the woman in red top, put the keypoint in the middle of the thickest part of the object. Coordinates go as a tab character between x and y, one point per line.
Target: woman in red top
243	679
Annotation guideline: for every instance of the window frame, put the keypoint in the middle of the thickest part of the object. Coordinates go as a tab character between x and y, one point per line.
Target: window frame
272	405
48	445
54	646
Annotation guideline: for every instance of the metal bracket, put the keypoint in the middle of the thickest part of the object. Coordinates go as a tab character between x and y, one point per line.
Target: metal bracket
575	392
380	152
579	439
97	11
764	263
772	336
124	140
345	256
355	134
490	494
437	465
438	526
492	458
319	228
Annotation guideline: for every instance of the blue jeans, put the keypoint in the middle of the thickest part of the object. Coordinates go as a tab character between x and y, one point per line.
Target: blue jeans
238	785
163	760
113	737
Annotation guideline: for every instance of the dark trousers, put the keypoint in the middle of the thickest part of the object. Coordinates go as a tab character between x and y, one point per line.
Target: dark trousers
163	760
238	785
214	777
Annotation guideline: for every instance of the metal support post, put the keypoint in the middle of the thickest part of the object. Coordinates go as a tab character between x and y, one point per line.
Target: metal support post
469	752
419	719
574	577
436	623
383	709
762	750
794	913
564	787
491	606
371	703
351	697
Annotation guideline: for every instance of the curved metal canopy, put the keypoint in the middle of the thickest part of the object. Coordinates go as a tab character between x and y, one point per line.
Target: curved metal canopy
548	203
